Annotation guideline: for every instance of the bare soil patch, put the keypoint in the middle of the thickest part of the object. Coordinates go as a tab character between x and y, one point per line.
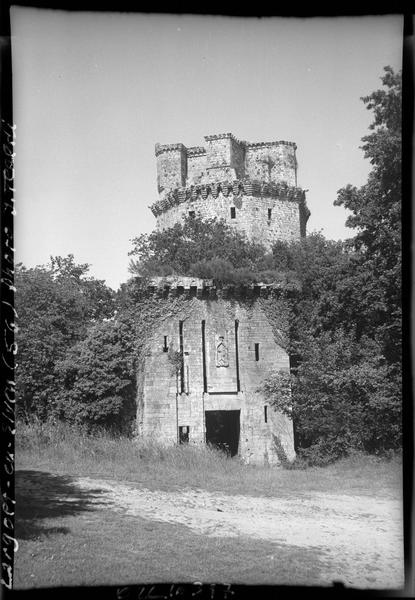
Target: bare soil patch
361	536
354	538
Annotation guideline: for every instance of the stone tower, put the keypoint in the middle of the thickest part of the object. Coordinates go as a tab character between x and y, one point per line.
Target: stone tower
223	340
253	186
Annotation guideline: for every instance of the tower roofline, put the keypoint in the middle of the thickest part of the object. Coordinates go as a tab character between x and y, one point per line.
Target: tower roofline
267	144
159	148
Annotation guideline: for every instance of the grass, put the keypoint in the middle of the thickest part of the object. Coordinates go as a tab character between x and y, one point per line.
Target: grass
59	448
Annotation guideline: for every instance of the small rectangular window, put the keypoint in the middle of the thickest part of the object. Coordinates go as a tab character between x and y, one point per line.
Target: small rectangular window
183	434
233	212
266	414
269	214
191	213
165	347
257	352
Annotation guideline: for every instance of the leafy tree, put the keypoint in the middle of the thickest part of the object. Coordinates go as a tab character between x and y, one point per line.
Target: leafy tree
200	248
56	304
340	396
320	266
346	332
376	215
99	299
96	378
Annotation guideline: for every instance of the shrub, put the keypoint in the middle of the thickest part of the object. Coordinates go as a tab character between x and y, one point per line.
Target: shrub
342	397
96	379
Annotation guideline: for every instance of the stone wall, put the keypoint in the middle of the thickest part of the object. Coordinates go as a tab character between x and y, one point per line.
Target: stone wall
169	399
196	165
274	161
218	150
252	215
171	166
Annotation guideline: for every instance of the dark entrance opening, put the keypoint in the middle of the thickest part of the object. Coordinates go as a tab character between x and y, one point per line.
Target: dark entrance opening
222	429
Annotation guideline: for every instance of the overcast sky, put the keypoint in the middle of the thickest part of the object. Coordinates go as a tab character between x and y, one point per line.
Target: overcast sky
94	92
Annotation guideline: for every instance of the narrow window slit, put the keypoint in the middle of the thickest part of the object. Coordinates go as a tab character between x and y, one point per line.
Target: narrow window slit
165	347
269	214
256	352
233	212
182	387
266	414
238	381
204	356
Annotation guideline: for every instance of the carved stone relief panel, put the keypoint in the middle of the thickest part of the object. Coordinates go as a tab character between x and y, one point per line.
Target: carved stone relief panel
222	353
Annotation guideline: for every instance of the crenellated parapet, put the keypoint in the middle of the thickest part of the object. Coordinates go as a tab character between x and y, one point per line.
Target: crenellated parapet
161	148
234	189
270	144
195	151
222	136
174	286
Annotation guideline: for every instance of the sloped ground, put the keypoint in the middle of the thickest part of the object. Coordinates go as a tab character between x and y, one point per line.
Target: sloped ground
305	538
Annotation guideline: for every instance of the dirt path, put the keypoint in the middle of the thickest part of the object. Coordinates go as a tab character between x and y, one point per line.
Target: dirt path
361	536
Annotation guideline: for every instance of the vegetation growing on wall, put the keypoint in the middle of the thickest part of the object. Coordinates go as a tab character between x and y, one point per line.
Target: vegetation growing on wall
208	249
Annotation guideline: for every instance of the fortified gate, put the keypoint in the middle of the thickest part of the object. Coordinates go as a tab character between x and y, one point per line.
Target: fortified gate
223	341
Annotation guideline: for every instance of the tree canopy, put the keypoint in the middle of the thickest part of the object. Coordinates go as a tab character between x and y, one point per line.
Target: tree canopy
200	248
55	304
96	378
376	215
346	336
